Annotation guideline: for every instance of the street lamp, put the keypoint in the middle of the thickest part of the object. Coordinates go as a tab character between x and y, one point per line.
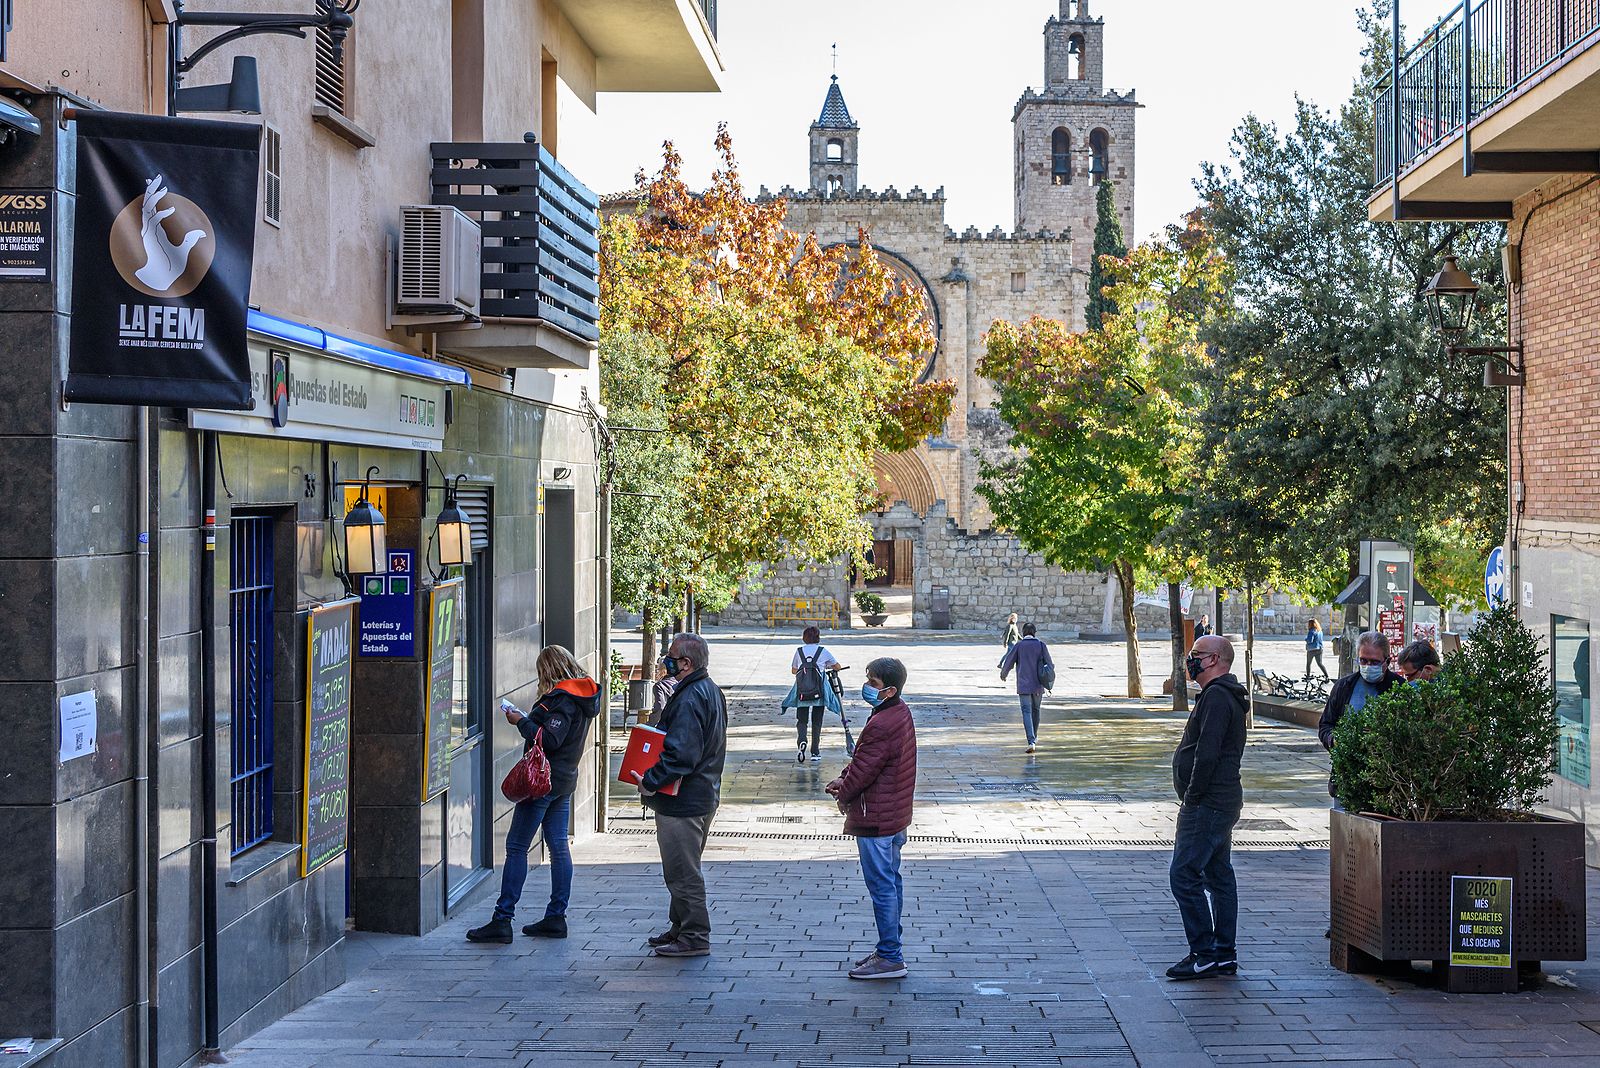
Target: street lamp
1452	297
454	529
366	549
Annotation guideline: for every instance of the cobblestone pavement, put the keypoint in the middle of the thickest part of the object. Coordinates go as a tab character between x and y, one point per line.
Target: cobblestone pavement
1038	917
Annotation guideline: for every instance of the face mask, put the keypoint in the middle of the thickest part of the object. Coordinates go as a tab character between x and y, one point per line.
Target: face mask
1372	672
1194	665
870	694
672	664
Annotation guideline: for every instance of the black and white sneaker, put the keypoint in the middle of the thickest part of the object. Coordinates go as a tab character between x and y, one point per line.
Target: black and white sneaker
1193	967
801	759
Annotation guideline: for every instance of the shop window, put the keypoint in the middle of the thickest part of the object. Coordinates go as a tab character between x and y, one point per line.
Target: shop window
1569	653
250	653
1060	157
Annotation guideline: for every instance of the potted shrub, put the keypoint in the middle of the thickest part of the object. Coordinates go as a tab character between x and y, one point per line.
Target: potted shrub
871	606
1441	780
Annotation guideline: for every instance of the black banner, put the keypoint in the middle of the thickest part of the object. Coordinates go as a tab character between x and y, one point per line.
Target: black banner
446	601
161	256
325	811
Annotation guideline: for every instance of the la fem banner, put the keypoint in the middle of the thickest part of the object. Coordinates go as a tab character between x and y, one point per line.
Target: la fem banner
162	250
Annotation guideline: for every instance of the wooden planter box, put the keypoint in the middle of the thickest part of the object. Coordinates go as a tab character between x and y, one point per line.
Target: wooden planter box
1389	887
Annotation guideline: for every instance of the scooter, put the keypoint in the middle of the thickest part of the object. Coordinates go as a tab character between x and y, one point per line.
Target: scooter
838	688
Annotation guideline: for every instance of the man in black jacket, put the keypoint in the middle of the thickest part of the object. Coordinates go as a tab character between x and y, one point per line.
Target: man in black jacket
1205	773
696	724
1371	677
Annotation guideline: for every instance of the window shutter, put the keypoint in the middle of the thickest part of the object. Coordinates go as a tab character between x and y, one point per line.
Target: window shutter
330	88
272	179
474	501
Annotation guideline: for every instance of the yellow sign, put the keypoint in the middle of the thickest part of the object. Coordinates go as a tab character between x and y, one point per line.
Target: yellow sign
377	495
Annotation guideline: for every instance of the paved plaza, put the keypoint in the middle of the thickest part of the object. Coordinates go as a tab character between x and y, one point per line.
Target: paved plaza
1038	923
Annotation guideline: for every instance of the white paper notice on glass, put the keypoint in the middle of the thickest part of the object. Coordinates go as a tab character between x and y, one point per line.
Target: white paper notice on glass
78	721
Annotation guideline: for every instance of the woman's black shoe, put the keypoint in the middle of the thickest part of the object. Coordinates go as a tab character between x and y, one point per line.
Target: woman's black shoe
549	927
496	930
663	938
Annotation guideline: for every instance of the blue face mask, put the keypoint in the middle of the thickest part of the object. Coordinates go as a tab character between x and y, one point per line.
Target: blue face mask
1372	672
870	694
672	665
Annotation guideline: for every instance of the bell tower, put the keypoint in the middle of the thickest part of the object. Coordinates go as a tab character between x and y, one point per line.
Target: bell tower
835	138
1073	134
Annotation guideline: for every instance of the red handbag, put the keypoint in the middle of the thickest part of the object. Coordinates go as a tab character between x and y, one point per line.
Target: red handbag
530	776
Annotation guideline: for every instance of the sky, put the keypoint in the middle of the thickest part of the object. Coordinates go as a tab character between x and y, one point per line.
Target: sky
932	84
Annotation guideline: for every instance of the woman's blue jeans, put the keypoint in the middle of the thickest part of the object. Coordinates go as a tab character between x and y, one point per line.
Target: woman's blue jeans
552	814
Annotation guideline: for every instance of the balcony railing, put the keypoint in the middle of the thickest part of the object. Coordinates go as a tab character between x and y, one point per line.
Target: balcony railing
709	9
541	231
1511	43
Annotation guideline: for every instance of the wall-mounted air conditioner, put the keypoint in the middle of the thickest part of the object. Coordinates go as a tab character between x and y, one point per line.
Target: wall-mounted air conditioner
441	262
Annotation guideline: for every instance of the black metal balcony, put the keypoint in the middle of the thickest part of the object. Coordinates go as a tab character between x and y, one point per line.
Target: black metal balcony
541	231
1467	64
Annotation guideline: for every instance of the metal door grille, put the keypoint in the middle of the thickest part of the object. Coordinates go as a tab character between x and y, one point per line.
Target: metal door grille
250	645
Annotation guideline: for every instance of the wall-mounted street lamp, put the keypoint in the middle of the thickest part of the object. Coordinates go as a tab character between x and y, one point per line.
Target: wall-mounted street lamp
366	547
453	529
242	94
1452	298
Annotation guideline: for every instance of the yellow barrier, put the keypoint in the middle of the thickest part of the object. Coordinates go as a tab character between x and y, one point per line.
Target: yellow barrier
802	610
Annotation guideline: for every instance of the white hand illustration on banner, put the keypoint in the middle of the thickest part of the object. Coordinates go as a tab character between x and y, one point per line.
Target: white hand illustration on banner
164	261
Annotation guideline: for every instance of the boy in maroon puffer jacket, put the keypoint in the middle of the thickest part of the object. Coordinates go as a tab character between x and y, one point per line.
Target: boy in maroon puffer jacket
875	794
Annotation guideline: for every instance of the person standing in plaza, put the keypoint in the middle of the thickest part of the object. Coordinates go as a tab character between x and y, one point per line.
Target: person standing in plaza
1418	662
875	793
1314	647
1202	626
1205	774
811	696
1035	674
559	724
1371	678
696	725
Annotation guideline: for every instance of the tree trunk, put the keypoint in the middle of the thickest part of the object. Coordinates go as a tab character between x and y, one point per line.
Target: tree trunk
1250	652
647	646
1180	678
1130	627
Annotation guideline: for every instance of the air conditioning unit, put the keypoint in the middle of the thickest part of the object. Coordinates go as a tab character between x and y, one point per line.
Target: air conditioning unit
441	262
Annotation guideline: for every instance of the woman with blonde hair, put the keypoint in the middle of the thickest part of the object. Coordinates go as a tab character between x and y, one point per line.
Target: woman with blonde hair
568	701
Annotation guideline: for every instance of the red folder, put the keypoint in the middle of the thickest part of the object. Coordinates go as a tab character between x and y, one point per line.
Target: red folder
644	750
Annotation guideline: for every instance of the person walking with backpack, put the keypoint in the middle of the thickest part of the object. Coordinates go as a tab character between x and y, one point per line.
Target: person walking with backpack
811	695
559	724
1036	673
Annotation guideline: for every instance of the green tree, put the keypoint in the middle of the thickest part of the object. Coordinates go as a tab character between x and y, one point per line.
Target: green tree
1105	451
1108	242
1333	413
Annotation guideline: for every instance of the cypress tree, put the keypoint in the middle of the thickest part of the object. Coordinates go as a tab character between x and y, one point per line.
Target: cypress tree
1108	241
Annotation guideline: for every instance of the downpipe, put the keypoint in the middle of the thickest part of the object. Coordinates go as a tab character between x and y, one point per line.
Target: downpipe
210	1051
145	739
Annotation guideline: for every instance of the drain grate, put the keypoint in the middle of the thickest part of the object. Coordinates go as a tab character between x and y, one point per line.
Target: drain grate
780	819
950	839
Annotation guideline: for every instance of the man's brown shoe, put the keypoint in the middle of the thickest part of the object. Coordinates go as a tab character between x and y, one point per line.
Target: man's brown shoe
682	949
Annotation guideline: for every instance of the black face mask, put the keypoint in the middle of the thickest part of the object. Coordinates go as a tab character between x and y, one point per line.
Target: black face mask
672	665
1195	666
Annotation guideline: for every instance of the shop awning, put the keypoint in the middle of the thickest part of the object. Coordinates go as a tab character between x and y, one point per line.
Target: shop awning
360	351
1420	595
15	118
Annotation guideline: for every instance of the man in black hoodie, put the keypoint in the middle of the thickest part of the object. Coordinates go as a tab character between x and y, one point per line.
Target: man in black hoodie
1205	773
696	724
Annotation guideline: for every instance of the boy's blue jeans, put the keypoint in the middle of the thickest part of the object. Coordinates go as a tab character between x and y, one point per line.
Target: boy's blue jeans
880	864
552	814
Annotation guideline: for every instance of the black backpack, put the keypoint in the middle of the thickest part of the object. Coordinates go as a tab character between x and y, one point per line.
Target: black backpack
808	682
